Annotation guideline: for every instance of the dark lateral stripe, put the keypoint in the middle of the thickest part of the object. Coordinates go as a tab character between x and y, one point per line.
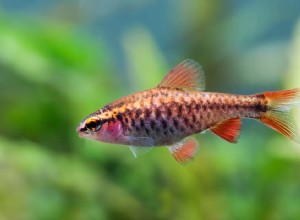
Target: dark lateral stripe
194	118
211	106
180	110
132	122
138	113
147	131
128	112
259	107
142	123
148	113
169	112
164	124
119	116
188	108
157	113
175	122
186	121
152	124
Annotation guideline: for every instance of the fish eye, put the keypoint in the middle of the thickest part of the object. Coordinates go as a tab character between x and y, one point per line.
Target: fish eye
93	124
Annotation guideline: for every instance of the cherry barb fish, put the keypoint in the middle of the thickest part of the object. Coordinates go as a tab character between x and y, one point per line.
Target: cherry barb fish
178	107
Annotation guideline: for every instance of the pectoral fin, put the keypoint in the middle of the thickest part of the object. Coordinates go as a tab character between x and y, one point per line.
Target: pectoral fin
184	151
141	141
140	145
139	151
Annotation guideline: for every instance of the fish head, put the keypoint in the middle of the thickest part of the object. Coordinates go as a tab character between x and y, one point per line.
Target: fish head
96	128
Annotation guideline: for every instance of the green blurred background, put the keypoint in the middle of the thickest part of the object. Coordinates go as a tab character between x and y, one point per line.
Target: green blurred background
62	60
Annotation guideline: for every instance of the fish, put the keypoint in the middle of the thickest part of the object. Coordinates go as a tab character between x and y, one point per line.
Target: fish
171	113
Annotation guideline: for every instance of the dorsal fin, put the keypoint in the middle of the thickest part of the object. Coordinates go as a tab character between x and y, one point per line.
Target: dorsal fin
185	150
188	75
228	130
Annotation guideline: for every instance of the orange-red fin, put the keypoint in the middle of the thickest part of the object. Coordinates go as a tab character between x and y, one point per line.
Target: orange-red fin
281	122
228	130
188	75
278	114
184	151
283	100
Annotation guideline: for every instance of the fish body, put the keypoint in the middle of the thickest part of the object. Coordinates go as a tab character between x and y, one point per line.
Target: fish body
178	108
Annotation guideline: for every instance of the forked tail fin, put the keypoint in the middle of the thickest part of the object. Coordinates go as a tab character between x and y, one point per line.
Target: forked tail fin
278	115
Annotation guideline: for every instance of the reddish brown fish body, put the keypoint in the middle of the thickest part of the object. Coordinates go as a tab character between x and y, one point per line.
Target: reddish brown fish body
178	108
168	115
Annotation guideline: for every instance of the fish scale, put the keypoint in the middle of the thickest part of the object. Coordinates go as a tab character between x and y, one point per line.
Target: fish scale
178	108
167	120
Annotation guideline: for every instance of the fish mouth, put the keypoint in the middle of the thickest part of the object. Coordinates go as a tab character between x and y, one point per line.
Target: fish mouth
82	134
81	130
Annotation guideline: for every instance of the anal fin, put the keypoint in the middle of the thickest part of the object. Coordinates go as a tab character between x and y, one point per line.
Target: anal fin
229	129
185	150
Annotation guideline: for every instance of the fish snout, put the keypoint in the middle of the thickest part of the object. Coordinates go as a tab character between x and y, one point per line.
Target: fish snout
81	129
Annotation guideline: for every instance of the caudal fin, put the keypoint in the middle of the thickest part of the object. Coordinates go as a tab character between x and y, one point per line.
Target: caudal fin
278	115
